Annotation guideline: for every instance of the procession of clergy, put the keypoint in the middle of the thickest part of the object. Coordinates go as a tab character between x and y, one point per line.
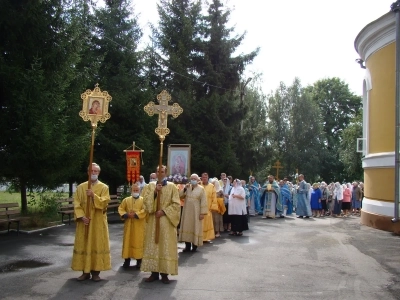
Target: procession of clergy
193	210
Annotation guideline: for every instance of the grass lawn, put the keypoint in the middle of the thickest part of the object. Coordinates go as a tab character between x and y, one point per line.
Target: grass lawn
38	213
6	197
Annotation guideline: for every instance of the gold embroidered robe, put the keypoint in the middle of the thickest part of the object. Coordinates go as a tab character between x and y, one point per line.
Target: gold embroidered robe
161	257
191	229
91	253
208	224
132	245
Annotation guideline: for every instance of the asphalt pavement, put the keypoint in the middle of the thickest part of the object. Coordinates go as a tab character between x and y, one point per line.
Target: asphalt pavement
321	258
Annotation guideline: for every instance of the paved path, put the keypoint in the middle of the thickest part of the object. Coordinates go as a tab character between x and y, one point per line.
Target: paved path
289	258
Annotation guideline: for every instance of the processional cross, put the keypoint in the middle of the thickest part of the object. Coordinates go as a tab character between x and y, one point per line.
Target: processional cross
163	110
277	166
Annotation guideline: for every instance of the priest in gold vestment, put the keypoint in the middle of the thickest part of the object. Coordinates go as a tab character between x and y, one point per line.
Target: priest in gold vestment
161	258
194	210
132	212
92	252
208	224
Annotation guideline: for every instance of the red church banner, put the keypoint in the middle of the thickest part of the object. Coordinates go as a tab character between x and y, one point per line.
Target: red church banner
132	165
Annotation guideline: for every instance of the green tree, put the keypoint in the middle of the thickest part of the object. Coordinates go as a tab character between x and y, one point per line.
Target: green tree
347	153
218	107
253	151
118	35
203	75
296	133
338	107
35	77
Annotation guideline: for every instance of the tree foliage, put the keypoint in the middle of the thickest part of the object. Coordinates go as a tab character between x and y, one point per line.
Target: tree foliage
347	153
69	46
296	134
36	144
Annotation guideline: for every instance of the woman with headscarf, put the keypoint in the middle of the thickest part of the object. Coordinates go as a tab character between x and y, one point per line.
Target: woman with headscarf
141	183
356	197
346	204
226	189
316	200
218	208
331	199
237	209
337	198
324	198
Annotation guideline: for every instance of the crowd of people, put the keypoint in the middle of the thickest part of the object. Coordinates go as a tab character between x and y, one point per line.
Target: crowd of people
192	210
317	200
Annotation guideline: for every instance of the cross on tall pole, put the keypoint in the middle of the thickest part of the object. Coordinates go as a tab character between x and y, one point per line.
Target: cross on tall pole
163	110
277	166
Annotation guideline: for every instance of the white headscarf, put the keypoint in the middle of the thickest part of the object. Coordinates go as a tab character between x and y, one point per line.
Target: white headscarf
338	191
215	182
141	184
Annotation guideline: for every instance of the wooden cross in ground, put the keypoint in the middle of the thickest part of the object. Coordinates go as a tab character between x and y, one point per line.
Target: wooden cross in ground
163	110
277	166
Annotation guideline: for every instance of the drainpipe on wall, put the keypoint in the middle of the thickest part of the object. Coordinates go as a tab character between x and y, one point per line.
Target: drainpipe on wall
395	7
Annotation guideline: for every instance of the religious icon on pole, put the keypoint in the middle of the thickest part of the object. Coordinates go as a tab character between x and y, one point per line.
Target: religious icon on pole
163	110
95	105
94	109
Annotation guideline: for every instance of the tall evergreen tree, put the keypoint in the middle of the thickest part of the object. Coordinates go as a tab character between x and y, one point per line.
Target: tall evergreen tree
35	75
203	75
218	108
253	151
120	74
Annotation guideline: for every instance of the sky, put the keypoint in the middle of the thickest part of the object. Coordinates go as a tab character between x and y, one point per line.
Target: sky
309	39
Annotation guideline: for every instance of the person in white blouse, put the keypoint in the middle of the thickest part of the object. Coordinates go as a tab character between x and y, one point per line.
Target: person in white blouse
237	209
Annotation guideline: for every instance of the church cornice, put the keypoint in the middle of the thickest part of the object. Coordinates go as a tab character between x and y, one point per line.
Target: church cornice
376	35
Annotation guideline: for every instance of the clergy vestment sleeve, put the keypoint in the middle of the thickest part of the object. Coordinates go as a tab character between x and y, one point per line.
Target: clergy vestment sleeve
203	203
149	201
213	198
182	193
101	198
173	210
122	209
79	201
303	188
141	213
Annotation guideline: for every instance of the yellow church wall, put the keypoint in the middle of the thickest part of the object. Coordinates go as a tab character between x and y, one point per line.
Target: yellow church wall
381	65
379	184
376	46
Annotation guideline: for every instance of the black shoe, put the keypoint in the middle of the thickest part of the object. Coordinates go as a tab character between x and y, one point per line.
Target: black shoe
164	279
307	217
194	249
138	263
127	263
300	217
187	247
152	278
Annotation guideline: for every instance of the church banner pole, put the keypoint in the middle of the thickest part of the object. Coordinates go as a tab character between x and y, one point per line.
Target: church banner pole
163	110
160	179
88	211
94	109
